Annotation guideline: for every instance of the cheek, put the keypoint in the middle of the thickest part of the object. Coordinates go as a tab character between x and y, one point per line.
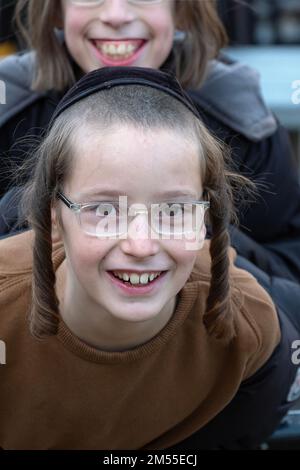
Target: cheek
184	258
81	259
187	249
162	25
73	23
84	265
187	258
84	254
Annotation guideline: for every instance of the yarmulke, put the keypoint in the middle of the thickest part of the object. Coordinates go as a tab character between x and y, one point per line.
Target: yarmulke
108	77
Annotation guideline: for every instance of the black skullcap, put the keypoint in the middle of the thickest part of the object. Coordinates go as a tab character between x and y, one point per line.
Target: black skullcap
108	77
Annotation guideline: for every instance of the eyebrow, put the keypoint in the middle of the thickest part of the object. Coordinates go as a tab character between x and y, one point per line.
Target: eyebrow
114	193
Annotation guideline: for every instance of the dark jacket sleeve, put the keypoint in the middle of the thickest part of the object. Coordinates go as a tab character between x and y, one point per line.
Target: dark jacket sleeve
19	137
269	231
269	223
233	108
24	115
274	213
269	163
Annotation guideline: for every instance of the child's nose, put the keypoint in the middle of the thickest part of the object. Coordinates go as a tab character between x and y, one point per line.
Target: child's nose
116	12
141	241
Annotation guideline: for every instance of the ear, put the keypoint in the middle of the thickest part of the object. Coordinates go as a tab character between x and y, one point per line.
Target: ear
55	226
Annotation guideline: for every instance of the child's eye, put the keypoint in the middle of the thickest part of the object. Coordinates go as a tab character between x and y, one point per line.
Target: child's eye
103	209
172	210
106	209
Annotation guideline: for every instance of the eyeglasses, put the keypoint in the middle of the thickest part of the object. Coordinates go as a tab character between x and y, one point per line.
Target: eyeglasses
92	3
111	219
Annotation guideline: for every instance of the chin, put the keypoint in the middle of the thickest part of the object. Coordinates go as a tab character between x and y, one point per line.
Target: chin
135	315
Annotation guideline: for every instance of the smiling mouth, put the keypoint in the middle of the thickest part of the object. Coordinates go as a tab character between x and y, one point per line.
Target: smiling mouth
136	281
118	49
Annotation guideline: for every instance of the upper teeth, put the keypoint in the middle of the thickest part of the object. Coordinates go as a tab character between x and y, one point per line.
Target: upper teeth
135	278
117	49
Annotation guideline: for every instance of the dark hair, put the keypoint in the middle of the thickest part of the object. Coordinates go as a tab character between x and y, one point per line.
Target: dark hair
37	20
145	108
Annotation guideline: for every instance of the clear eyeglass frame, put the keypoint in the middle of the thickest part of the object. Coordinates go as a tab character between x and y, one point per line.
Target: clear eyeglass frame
93	3
79	208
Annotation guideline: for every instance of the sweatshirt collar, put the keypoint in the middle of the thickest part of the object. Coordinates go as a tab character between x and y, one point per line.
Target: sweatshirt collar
184	306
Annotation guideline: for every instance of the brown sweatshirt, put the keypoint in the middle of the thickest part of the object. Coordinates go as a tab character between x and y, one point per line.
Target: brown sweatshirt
61	393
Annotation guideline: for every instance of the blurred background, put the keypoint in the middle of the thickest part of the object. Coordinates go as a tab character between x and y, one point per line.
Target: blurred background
261	22
8	40
265	34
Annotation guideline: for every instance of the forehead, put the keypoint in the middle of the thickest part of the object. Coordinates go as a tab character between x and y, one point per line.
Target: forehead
134	160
